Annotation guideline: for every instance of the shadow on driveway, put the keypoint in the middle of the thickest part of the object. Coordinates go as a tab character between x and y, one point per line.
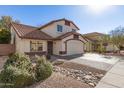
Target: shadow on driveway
70	57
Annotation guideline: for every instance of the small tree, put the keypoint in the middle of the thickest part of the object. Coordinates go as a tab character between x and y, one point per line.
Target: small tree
5	36
117	36
5	22
105	40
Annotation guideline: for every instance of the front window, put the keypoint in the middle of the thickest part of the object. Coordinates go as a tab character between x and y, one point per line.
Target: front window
59	28
36	46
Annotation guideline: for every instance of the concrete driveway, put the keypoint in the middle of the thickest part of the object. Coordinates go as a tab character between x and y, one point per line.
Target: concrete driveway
97	61
114	77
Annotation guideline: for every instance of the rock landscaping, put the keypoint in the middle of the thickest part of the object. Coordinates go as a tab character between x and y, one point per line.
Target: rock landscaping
68	74
84	76
58	80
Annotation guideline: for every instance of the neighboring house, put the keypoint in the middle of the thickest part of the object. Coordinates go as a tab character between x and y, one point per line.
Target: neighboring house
58	37
94	43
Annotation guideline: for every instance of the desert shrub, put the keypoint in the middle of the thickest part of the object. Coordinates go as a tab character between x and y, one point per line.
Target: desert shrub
20	61
23	78
16	77
6	75
18	71
43	68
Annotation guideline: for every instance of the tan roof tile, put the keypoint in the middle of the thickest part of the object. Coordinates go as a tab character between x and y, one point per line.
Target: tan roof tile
67	34
29	32
57	21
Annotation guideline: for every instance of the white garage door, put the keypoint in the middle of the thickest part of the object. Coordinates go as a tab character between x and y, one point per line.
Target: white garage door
74	47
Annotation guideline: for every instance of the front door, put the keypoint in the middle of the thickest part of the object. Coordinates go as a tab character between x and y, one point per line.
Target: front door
50	47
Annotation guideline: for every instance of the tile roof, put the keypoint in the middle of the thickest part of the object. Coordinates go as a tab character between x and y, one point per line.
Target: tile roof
22	29
67	34
29	32
93	34
37	34
90	36
51	22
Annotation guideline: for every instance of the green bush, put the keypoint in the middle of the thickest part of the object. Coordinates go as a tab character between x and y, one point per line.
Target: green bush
16	77
5	36
23	78
18	71
43	68
20	61
7	74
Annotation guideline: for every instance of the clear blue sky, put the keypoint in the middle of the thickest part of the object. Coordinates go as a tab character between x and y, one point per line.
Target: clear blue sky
86	19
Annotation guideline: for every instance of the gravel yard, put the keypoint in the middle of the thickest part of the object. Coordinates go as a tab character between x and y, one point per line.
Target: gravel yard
58	80
72	75
85	74
69	75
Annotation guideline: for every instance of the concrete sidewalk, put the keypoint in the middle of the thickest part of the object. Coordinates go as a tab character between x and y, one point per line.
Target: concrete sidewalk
114	77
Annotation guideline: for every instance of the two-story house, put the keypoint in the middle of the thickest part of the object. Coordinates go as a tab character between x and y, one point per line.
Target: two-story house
58	37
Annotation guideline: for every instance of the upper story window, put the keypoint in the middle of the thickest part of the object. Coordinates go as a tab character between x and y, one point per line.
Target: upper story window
67	23
59	28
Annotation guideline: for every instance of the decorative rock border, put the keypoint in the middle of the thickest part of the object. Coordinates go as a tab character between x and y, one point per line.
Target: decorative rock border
81	75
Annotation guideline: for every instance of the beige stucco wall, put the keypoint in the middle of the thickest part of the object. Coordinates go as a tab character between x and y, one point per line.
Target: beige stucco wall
12	35
52	29
57	46
23	45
